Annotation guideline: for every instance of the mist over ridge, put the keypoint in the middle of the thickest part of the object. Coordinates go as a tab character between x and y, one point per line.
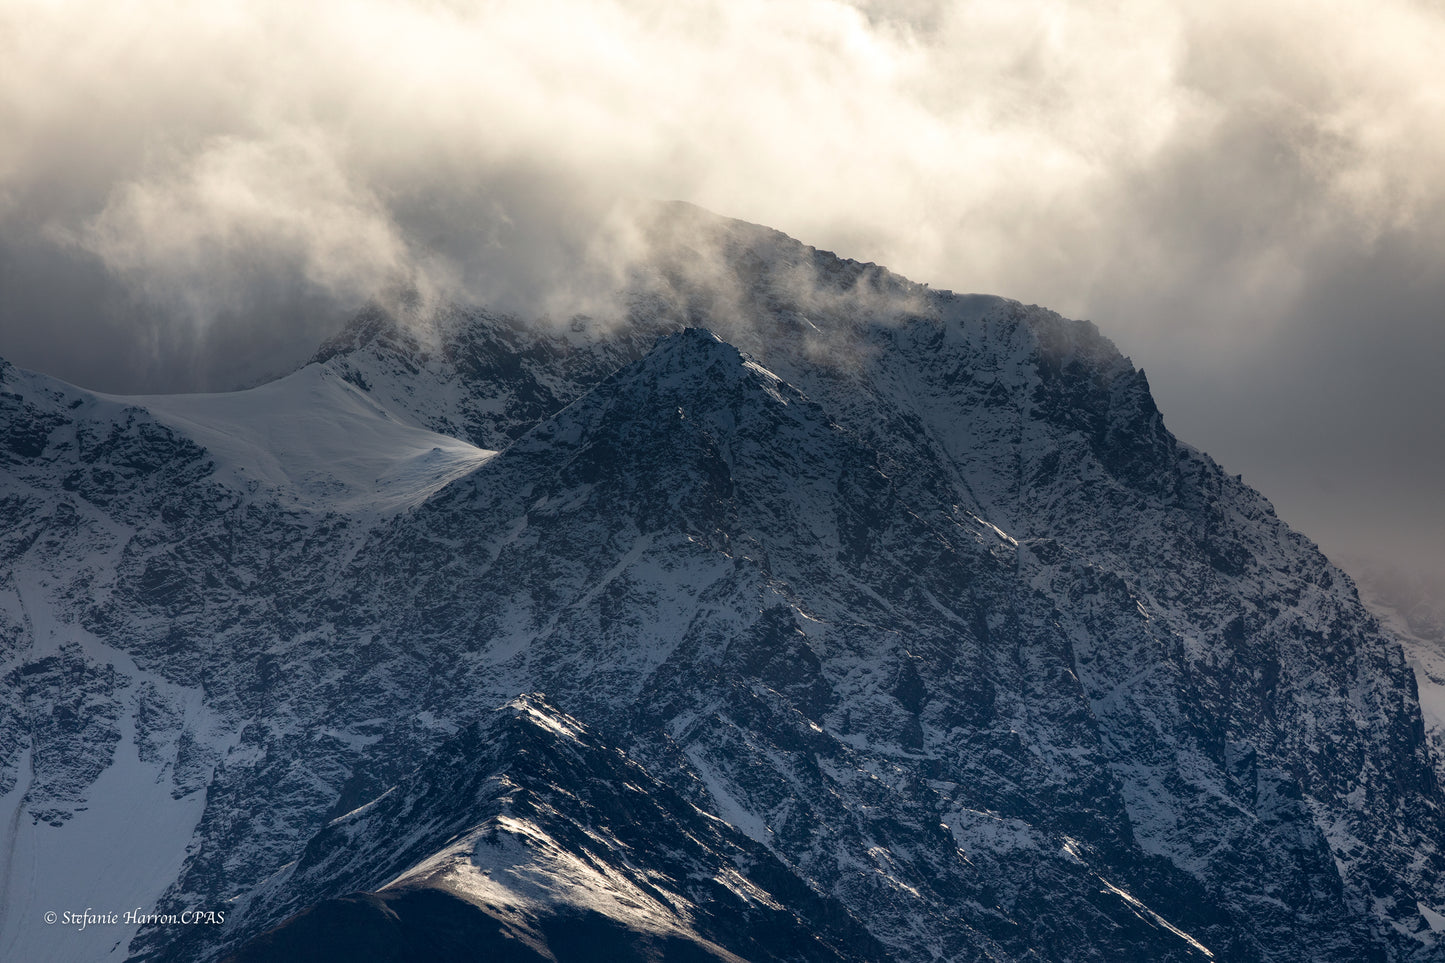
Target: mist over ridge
1245	198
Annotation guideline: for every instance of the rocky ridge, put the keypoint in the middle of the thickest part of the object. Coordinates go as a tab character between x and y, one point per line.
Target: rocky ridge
913	591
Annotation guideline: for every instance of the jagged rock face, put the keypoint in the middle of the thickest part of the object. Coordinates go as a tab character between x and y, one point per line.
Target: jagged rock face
1412	606
914	591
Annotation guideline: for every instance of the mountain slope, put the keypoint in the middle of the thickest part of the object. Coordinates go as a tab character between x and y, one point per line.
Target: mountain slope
913	590
109	736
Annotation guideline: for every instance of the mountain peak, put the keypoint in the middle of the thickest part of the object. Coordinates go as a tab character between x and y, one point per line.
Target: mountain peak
698	358
533	708
372	326
873	622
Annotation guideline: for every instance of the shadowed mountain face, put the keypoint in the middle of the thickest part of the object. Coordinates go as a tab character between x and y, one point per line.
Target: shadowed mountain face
873	622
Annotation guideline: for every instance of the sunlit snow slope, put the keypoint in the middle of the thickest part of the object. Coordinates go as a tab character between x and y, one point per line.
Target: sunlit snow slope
316	440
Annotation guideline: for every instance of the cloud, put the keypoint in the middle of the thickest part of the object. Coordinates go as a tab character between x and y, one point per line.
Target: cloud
194	240
1246	196
1044	148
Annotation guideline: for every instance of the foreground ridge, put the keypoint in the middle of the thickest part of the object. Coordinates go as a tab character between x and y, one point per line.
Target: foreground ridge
540	841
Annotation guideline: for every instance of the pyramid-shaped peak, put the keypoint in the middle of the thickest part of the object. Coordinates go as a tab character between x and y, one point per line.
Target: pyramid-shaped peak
696	339
687	354
534	709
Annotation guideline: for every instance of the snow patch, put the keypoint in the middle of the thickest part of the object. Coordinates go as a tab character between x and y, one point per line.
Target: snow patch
316	441
514	868
1145	913
726	804
116	855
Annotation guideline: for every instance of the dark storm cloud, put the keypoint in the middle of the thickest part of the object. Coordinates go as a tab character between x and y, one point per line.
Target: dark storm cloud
1245	196
1336	413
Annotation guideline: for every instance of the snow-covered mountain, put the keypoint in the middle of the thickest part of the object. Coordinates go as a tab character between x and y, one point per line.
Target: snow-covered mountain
870	622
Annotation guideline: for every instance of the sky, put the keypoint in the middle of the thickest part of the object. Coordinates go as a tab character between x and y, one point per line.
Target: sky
1248	197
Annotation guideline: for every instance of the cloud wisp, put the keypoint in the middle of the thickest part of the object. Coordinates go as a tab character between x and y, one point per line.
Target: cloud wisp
1246	196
